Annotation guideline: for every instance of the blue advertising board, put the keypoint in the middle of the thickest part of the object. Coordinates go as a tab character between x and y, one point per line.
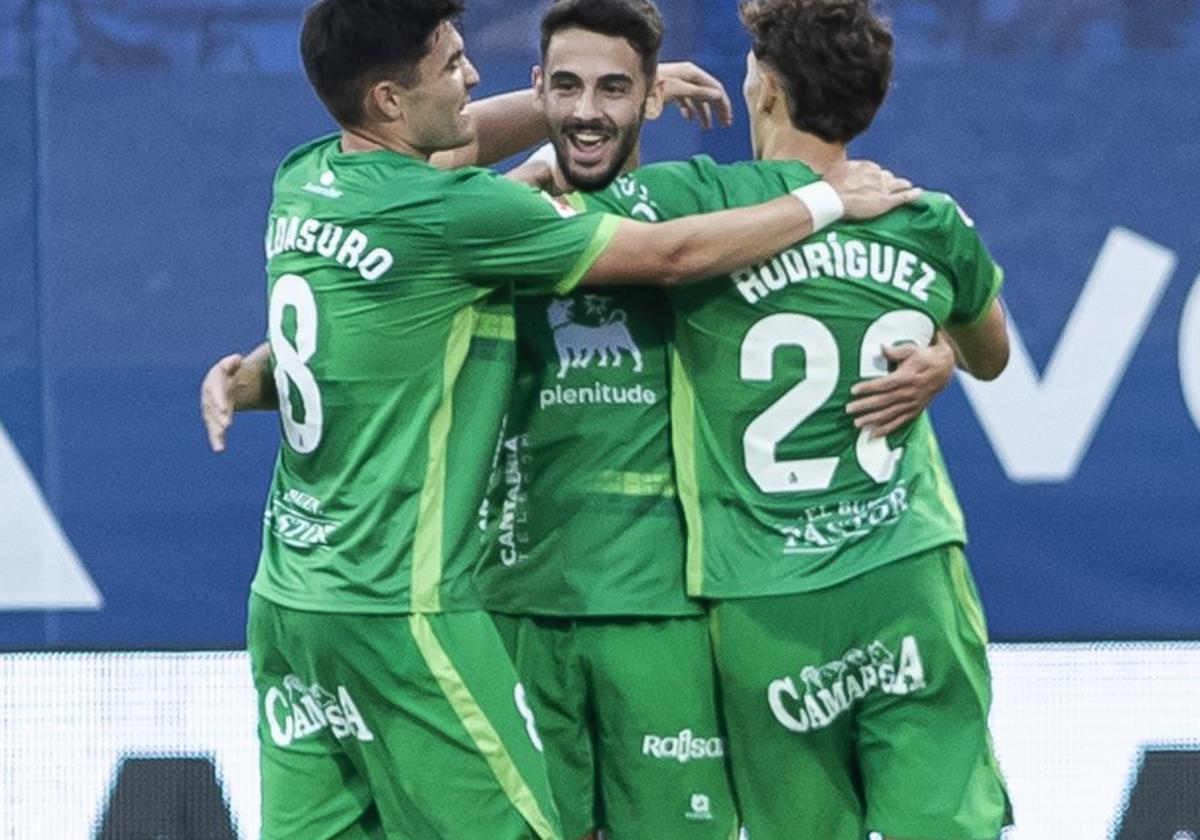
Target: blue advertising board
141	138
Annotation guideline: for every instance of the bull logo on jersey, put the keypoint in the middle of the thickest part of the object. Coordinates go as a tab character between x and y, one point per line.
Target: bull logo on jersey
603	333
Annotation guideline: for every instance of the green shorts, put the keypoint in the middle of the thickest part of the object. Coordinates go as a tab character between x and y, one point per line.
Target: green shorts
406	727
863	707
627	710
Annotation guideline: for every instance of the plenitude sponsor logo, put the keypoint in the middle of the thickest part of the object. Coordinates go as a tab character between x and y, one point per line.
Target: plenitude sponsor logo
684	747
596	394
597	337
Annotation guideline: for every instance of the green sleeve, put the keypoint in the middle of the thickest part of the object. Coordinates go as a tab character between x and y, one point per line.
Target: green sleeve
499	232
976	276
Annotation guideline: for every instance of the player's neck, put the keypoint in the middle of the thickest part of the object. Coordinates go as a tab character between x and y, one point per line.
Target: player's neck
790	144
365	139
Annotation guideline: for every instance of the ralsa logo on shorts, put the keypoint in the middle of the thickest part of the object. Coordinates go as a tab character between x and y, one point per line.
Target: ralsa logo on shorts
684	747
830	689
298	711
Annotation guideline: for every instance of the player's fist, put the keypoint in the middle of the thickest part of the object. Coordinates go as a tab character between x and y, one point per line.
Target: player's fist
867	189
216	399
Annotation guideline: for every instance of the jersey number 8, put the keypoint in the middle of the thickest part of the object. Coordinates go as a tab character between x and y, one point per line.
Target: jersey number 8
292	291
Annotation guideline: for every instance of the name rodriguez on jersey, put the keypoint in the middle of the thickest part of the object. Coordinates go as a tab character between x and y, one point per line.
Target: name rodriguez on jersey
840	257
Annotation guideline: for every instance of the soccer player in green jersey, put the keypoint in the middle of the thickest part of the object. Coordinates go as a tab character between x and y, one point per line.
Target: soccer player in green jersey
388	705
586	579
849	639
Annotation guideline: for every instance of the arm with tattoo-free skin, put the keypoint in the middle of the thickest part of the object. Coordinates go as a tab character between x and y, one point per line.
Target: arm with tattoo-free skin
236	383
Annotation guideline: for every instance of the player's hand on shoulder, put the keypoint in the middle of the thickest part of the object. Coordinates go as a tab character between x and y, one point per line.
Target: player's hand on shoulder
216	399
699	95
867	189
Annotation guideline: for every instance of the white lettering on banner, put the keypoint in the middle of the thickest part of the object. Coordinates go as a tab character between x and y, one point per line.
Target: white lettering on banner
1041	429
38	565
1189	352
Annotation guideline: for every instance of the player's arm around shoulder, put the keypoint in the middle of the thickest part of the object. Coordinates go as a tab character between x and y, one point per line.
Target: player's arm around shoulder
688	249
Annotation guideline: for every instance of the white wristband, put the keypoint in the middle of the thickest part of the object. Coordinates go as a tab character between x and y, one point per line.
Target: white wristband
823	203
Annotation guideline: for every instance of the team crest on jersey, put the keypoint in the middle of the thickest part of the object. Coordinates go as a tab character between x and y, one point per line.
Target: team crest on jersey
597	333
560	204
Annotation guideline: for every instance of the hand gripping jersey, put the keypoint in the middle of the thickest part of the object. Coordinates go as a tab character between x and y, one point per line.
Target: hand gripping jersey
781	493
391	332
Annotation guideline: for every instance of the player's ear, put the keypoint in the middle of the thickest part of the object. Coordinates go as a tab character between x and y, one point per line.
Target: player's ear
768	94
654	99
535	76
384	101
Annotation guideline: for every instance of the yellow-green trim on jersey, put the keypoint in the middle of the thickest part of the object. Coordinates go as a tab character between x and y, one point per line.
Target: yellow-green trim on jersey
781	493
393	344
481	730
582	497
683	432
427	550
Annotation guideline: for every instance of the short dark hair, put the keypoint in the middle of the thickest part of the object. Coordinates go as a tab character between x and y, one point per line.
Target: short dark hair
637	21
835	57
349	45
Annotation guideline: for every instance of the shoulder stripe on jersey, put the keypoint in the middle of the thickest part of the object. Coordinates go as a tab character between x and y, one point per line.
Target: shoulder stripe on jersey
428	542
481	730
600	239
993	293
683	443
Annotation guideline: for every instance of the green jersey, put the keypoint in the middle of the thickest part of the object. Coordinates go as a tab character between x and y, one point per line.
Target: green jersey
391	332
781	493
583	493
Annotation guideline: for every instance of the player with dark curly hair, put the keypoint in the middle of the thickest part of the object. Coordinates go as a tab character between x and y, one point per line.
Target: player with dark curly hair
849	640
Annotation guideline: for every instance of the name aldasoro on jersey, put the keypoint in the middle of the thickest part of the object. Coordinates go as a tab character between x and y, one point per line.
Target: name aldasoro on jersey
348	247
841	257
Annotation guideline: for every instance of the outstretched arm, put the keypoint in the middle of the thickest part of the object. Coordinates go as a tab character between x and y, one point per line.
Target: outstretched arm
236	383
695	247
